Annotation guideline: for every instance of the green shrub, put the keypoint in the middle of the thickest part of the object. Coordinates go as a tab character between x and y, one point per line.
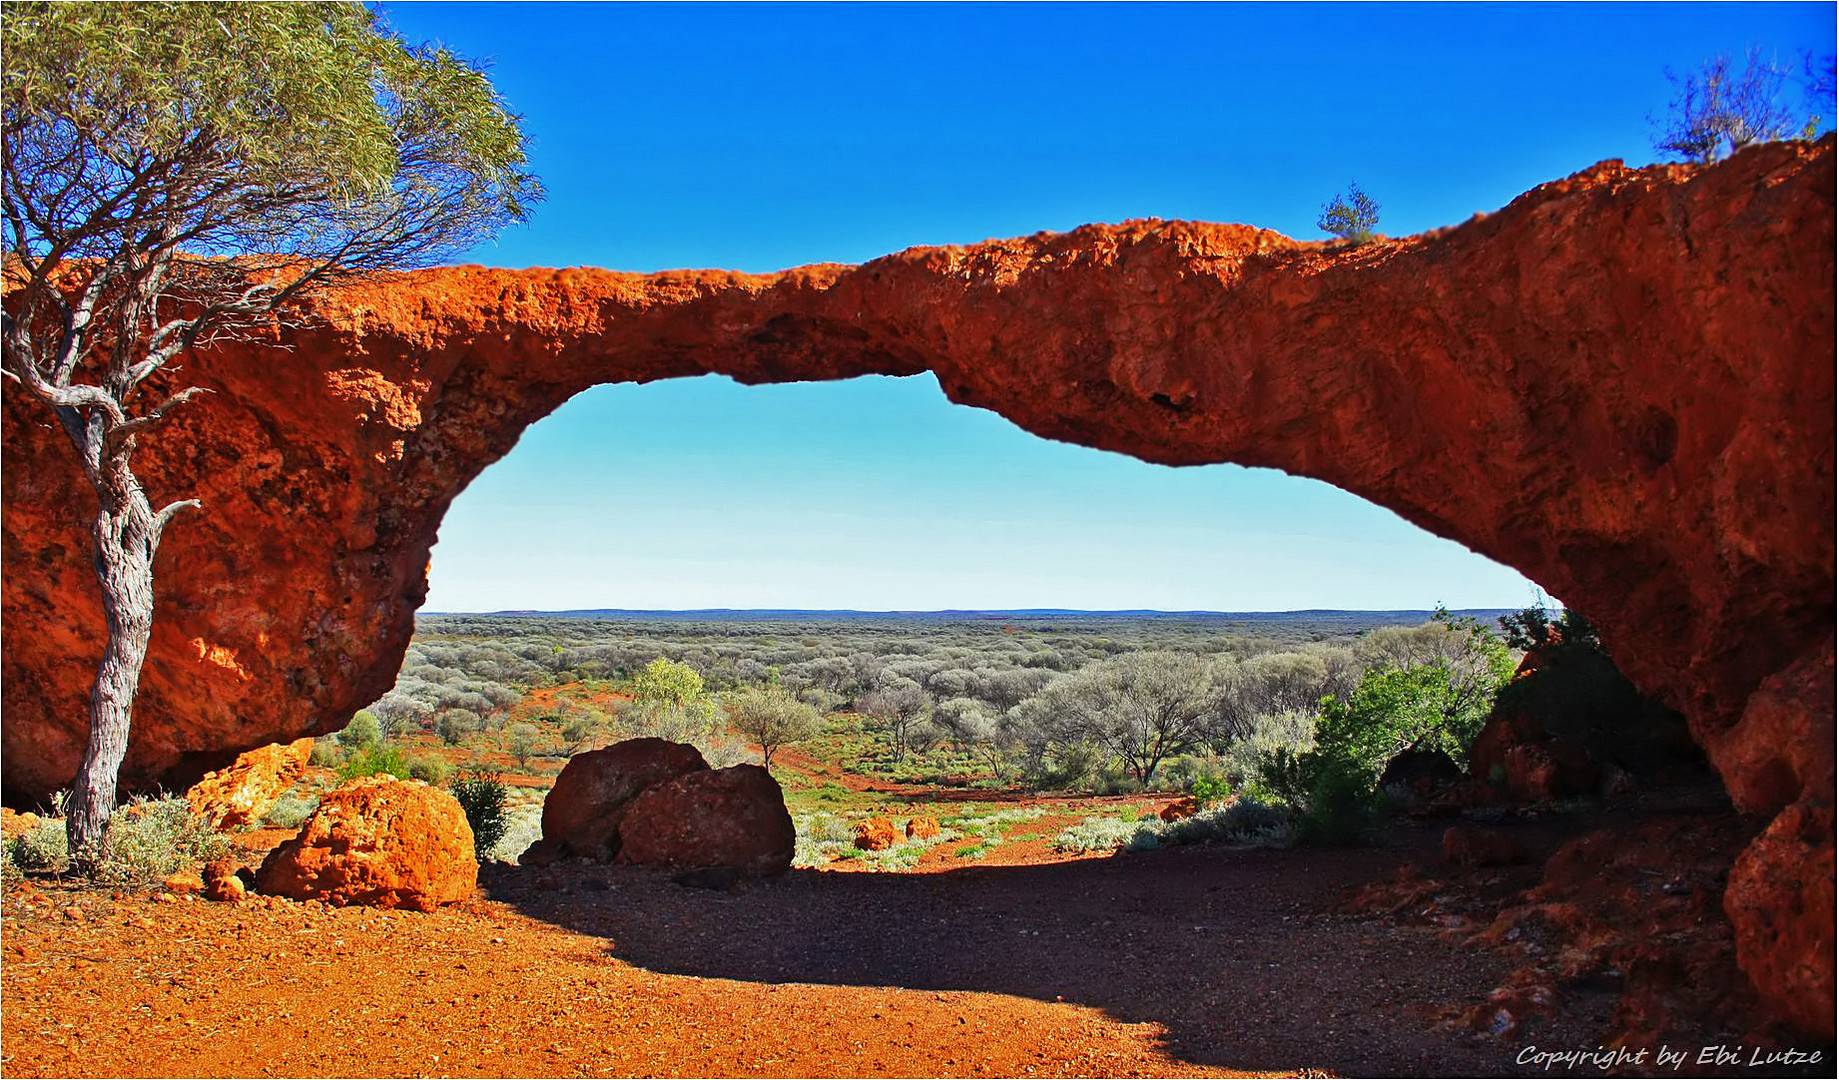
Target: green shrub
481	796
429	769
1351	217
291	811
1330	792
523	826
362	733
326	753
1102	833
150	839
1209	790
40	849
377	761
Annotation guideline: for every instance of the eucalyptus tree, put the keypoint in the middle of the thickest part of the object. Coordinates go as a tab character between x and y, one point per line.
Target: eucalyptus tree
771	717
1143	707
178	173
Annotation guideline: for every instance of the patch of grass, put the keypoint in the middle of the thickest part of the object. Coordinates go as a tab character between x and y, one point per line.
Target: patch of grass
973	851
1099	833
290	811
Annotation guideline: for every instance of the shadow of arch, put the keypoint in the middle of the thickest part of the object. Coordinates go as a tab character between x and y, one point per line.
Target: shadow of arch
1232	953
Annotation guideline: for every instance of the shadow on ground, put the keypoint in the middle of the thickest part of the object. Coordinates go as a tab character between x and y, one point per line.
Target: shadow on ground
1236	953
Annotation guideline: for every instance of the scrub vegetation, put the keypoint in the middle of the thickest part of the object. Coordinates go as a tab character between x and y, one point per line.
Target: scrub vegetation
1278	726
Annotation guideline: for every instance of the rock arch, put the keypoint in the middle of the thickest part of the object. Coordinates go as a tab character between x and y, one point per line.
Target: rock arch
1620	384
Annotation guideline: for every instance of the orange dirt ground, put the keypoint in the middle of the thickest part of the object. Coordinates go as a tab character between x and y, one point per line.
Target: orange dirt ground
1190	962
1180	962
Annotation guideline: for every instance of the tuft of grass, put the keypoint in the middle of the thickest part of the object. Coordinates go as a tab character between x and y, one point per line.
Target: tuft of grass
291	811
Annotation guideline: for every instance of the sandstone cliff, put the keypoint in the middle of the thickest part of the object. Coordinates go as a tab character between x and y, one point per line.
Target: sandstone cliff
1620	384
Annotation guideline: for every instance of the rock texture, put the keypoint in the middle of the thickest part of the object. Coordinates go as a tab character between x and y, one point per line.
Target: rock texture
236	797
733	818
1780	903
377	842
1621	384
875	834
582	813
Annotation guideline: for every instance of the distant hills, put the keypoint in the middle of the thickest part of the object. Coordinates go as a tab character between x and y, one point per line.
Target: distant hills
1320	617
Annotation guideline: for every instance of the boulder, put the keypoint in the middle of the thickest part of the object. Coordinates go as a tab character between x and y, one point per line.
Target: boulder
732	818
1180	808
224	880
236	796
876	834
377	842
1780	903
922	828
582	814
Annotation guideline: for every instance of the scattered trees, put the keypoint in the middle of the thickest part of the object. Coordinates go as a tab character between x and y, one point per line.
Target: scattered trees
1141	706
175	174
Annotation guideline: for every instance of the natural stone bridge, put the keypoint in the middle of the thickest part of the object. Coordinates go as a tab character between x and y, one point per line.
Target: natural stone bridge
1621	384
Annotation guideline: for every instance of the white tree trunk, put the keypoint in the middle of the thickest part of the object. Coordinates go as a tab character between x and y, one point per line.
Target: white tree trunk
126	534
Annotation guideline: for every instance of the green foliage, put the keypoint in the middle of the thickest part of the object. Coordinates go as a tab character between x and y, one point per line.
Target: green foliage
1098	833
1329	791
667	681
291	811
307	129
150	839
772	718
429	769
363	732
1534	628
482	796
1352	216
377	761
523	740
455	724
325	753
1439	705
1210	790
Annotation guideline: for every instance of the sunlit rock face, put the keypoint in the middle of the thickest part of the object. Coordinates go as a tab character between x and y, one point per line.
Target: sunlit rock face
1621	384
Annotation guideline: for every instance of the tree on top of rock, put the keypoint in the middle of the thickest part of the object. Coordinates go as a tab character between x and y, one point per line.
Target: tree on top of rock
1721	108
176	174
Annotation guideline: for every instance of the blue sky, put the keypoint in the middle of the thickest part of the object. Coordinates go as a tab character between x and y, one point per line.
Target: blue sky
758	137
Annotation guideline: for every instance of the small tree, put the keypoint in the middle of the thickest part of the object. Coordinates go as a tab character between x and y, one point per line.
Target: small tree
175	174
668	702
772	718
898	706
1719	109
523	740
362	734
1352	217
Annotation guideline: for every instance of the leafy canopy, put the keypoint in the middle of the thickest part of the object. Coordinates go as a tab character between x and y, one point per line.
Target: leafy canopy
301	129
1352	216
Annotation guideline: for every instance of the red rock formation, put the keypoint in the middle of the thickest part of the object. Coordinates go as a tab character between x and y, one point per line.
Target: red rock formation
1620	384
733	818
1180	808
236	797
377	842
582	813
922	828
1780	902
875	834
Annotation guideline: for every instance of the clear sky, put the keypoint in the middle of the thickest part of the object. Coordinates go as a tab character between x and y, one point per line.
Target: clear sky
758	137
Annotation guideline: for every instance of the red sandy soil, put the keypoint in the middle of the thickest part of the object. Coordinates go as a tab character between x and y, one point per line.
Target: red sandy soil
1181	962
